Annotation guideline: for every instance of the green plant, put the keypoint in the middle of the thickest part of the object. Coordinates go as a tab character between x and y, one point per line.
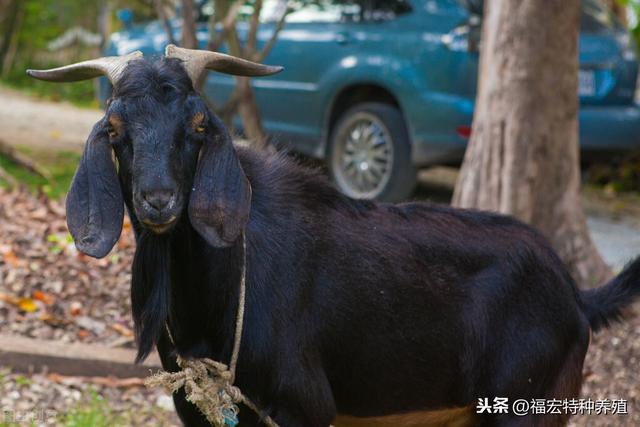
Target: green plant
94	413
22	380
60	164
632	8
620	176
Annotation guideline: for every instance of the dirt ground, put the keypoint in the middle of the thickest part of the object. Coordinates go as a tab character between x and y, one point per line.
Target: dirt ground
35	123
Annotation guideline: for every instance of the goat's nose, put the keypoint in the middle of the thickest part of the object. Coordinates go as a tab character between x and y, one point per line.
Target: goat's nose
158	199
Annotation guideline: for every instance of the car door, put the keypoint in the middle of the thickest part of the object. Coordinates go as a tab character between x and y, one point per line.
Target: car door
289	103
314	39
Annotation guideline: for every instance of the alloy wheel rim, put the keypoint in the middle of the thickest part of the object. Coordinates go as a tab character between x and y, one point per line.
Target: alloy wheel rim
363	158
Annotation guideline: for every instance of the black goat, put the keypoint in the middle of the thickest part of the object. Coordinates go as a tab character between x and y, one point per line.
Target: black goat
358	313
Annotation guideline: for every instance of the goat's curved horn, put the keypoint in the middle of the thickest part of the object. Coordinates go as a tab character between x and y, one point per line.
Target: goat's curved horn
197	61
110	66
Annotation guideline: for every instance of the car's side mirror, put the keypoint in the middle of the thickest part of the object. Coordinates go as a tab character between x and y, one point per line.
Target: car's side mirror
475	31
126	17
466	37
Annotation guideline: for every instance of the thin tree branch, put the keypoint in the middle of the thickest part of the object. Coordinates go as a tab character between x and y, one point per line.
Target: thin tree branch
250	46
189	39
162	16
23	161
8	178
229	21
274	37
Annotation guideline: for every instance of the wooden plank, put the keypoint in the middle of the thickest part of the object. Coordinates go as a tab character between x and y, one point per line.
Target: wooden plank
33	355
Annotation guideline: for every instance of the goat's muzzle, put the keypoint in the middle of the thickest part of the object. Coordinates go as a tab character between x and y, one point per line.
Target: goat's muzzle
157	210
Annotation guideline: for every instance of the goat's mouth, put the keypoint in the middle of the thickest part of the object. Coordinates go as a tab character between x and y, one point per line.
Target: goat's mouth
160	227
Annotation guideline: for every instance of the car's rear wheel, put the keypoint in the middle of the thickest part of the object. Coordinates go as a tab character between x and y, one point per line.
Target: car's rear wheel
370	153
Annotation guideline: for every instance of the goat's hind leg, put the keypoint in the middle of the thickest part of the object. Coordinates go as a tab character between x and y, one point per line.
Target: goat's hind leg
566	385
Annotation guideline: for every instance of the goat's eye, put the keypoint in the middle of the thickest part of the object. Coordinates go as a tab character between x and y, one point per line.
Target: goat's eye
114	125
112	132
198	122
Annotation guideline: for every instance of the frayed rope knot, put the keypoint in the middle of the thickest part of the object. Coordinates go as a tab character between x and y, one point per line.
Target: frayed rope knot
209	384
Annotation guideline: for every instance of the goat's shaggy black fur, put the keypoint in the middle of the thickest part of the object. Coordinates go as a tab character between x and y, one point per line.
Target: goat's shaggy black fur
355	308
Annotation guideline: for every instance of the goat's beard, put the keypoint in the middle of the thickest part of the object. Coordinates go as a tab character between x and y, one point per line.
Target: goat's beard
150	290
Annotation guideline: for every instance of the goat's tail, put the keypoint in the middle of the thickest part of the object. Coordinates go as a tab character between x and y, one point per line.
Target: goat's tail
604	304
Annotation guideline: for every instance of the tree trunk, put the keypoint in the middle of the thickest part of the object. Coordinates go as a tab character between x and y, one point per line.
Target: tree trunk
189	39
523	156
9	21
104	22
9	56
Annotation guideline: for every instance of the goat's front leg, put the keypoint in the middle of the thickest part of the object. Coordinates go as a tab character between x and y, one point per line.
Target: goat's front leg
188	412
304	398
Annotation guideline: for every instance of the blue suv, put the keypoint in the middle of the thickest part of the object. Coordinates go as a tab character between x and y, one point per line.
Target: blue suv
380	88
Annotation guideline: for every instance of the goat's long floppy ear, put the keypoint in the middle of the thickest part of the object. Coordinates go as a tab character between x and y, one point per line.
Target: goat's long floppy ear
95	207
221	197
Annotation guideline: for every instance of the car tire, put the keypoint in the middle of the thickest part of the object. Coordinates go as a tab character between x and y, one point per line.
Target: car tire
369	153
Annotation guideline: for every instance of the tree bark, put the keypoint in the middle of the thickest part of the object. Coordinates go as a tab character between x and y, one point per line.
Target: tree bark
9	55
104	22
523	156
9	21
189	39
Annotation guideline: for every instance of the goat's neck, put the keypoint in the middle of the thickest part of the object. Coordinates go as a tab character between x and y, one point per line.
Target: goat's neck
204	294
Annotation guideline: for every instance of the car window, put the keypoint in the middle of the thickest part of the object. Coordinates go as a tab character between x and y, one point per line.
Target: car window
322	11
327	11
384	10
597	17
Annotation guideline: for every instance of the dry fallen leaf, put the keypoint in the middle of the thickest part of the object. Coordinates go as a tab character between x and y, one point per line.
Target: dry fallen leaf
52	320
11	258
10	299
112	382
75	308
27	304
44	297
122	330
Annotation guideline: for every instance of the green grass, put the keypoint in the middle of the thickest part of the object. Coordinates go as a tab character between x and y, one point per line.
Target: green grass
94	413
60	164
93	410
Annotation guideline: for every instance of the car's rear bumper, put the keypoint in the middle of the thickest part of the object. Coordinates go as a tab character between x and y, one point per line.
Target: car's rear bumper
609	129
605	131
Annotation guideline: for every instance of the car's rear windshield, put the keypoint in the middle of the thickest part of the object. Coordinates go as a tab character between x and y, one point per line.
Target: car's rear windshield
596	16
321	10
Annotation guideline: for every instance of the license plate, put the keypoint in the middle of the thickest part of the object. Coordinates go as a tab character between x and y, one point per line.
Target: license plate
586	83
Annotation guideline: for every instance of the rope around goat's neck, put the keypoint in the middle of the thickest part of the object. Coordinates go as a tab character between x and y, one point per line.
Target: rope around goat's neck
209	384
242	295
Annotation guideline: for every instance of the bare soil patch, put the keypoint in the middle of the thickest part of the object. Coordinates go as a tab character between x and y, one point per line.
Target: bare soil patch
36	123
